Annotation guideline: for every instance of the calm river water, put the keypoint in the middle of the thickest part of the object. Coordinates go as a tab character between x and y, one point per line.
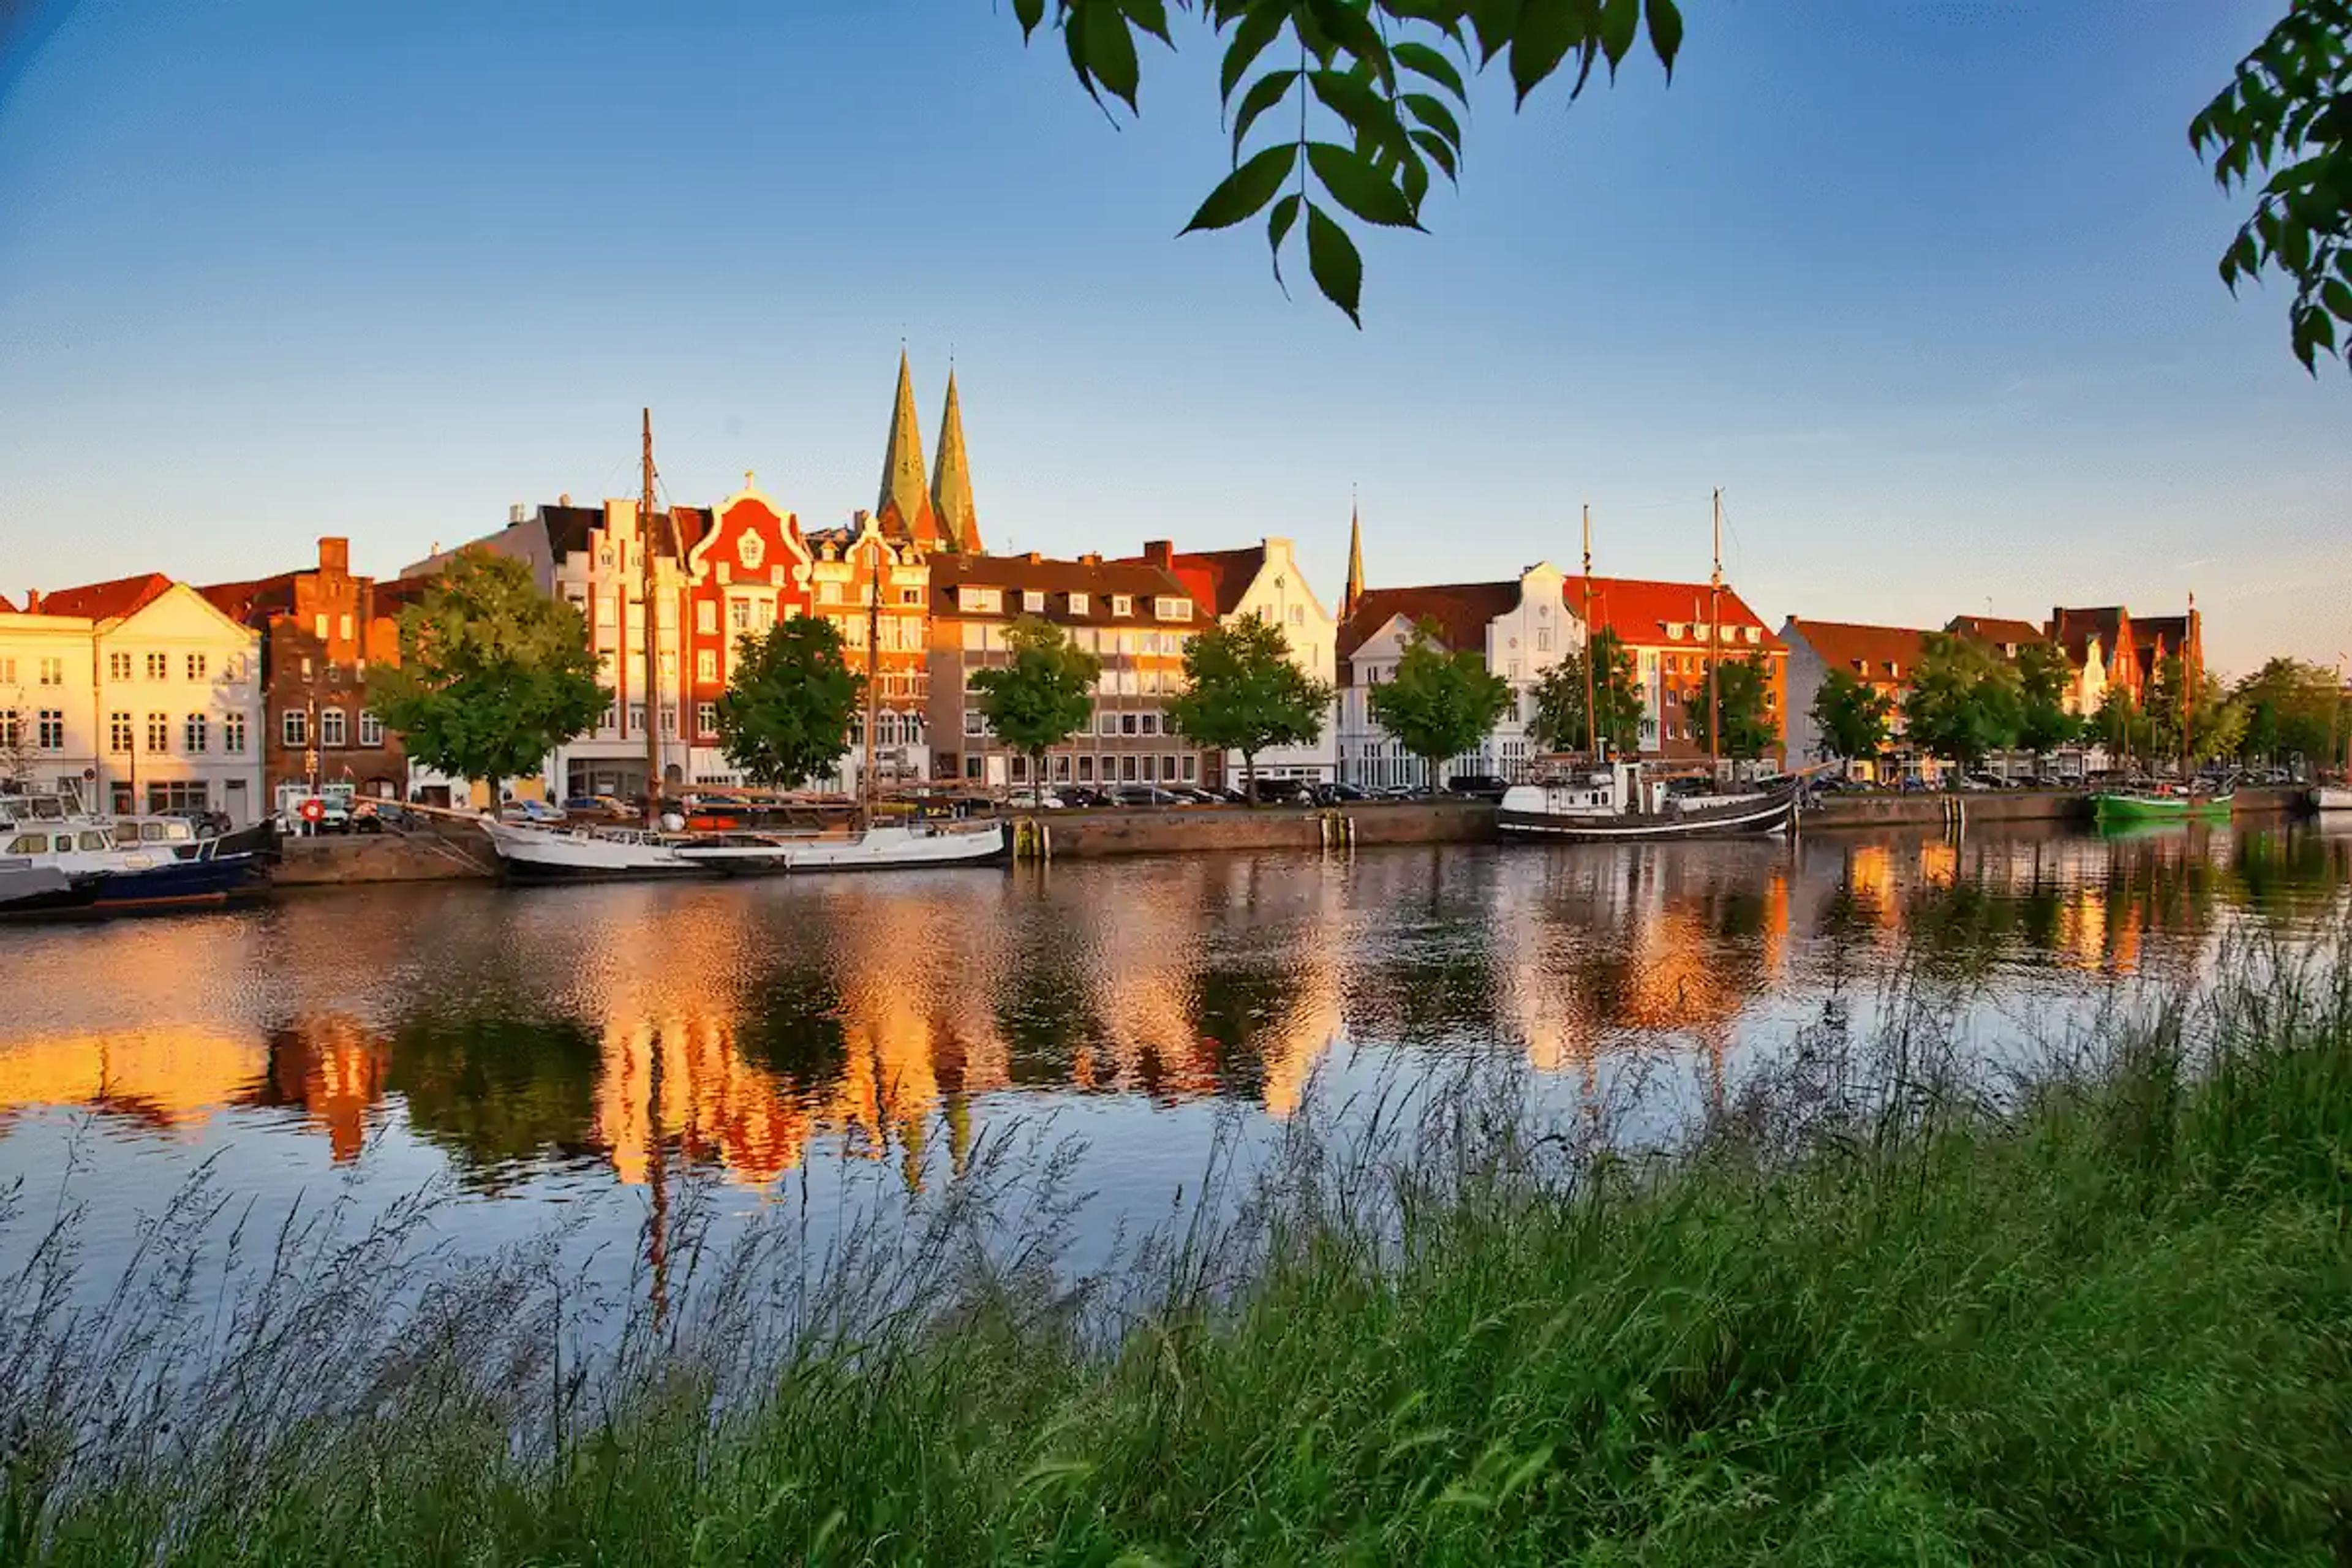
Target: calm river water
567	1052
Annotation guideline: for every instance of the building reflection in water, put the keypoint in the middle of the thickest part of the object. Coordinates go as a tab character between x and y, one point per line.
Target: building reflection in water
740	1027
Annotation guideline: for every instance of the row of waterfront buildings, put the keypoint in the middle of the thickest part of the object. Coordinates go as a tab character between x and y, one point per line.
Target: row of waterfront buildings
149	693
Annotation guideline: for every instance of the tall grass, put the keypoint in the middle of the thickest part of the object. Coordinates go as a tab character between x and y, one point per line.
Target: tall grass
1885	1307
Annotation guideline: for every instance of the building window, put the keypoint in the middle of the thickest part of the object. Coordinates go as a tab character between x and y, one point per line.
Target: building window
971	767
12	729
706	617
980	601
828	593
637	717
1121	605
159	733
669	718
975	723
1077	603
1150	723
294	728
1297	618
52	732
1085	770
232	734
1170	609
178	794
319	626
371	728
330	727
1062	768
1127	723
1020	768
705	718
1191	766
53	673
1033	601
1168	769
199	667
763	613
1109	723
159	667
117	666
739	614
1127	769
705	664
912	597
118	733
197	732
8	671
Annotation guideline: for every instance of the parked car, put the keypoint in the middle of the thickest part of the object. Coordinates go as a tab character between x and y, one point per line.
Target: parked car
1477	786
376	815
530	813
1082	795
1142	794
1341	793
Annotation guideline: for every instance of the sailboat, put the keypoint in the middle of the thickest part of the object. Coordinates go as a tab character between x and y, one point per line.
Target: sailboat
665	847
2116	807
1621	800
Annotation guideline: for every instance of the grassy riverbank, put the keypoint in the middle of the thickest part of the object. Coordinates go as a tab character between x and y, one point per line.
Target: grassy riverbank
2105	1316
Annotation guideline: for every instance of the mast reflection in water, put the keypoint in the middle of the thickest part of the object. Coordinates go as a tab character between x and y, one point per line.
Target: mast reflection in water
542	1046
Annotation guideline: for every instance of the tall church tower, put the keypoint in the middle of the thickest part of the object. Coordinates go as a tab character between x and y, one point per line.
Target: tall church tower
904	510
1355	591
951	480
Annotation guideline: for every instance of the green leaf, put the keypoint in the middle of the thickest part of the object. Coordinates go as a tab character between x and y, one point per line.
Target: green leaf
2338	297
1356	185
1246	189
1496	23
1443	155
1346	26
1372	118
1546	30
1620	20
1432	111
1152	15
1331	257
1423	61
1278	229
1110	52
1263	94
1666	33
1029	13
1414	180
1256	31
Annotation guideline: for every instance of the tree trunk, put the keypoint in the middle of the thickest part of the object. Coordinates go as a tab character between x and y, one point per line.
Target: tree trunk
1249	779
1038	780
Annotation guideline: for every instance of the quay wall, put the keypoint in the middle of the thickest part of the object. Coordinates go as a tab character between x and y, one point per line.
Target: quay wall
343	860
1089	835
1935	810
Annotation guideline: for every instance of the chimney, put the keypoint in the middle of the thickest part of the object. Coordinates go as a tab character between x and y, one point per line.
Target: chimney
518	514
32	601
335	555
1090	558
563	499
1035	558
1160	553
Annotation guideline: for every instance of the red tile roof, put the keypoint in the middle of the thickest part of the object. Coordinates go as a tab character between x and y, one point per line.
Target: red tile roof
1883	653
7	607
1098	580
1217	577
247	602
1460	609
1998	630
1638	611
107	601
2072	630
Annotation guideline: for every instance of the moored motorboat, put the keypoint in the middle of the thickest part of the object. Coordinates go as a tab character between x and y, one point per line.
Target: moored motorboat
62	860
2331	797
559	852
1616	803
2147	806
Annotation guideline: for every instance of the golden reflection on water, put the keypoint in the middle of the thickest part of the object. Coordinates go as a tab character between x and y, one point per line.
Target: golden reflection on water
738	1028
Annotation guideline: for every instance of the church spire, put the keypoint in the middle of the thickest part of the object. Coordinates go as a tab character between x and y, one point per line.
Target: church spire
1355	593
951	479
904	510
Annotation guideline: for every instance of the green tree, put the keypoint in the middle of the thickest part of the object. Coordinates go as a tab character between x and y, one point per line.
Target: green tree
2121	726
2198	720
1558	721
1750	728
493	674
1369	95
1440	704
1851	716
1963	700
1044	697
2287	114
2043	675
1244	694
791	699
2291	707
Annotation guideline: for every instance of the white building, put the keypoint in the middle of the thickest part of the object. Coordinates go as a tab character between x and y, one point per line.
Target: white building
1519	628
139	693
1265	580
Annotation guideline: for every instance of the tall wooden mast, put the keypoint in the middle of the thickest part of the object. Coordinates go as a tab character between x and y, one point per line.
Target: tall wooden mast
2189	683
652	632
1714	637
873	680
1592	713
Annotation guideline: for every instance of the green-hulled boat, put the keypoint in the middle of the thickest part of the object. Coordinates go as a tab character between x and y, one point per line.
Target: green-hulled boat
2133	808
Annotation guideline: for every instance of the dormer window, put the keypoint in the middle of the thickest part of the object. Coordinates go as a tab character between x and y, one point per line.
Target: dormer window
1755	634
1033	601
1674	631
1172	609
981	601
1121	605
1078	603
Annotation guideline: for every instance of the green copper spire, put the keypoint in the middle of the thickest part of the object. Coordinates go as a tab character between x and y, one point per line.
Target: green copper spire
905	508
951	480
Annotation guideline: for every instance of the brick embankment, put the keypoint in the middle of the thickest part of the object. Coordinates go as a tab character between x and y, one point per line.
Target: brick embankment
1989	806
1087	834
347	859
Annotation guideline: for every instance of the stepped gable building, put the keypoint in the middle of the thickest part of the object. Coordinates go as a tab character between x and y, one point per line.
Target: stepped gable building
1519	628
137	693
869	580
321	627
1265	580
2128	650
1137	618
1664	625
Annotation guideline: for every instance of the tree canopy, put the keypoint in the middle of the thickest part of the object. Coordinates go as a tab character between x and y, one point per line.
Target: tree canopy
791	699
1851	716
2292	708
2043	675
2201	720
1369	97
1044	697
1245	694
1742	695
2287	114
1559	725
1440	704
493	674
1963	700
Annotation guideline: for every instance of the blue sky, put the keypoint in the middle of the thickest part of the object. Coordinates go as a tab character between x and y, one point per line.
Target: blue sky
1928	287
